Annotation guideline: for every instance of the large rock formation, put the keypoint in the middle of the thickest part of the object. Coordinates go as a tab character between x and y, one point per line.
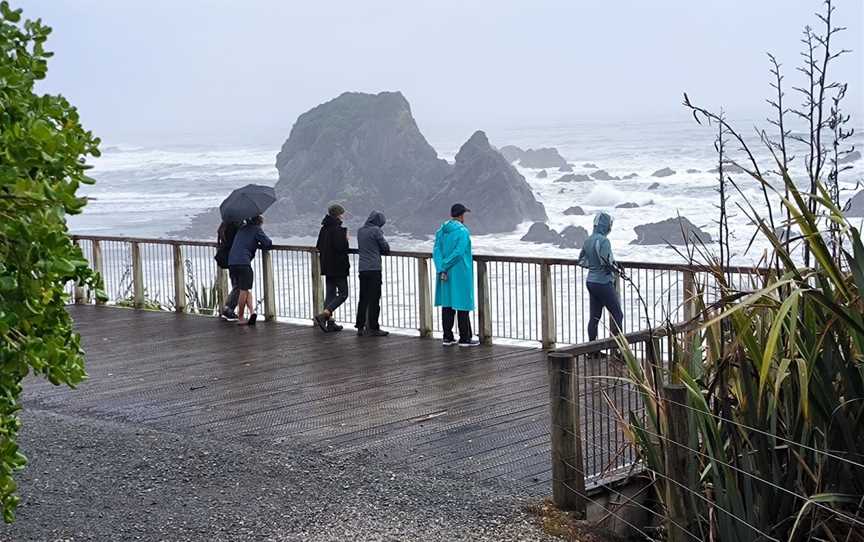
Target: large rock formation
855	205
671	231
573	237
574	211
540	232
665	172
573	178
511	153
850	157
546	157
603	175
482	179
363	150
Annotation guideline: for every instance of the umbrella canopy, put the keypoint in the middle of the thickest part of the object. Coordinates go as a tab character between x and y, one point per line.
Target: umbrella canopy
247	202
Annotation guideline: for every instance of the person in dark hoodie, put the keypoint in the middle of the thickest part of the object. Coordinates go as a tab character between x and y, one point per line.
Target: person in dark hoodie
597	256
224	240
248	240
333	251
372	245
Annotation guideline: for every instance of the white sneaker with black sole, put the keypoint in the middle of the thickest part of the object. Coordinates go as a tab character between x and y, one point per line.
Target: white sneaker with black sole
469	344
451	342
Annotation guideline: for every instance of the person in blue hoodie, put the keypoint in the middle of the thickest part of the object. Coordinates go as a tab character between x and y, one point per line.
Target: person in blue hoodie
597	256
454	285
247	241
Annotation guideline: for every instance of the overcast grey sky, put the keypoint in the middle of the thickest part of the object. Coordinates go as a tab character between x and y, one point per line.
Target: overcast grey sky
228	68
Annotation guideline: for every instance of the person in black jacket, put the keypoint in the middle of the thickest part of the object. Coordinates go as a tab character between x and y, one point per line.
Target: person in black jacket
333	250
248	240
224	239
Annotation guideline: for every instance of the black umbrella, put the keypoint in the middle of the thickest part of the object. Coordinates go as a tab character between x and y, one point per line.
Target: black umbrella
247	202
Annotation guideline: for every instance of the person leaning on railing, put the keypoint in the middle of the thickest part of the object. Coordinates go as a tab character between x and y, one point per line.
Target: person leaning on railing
454	287
597	256
248	240
332	248
224	240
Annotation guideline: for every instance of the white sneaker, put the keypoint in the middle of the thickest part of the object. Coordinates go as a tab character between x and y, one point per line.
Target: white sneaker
469	344
451	342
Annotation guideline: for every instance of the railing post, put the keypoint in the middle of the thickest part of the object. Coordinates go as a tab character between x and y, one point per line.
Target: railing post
179	279
98	265
269	286
689	286
137	277
80	294
317	290
547	307
223	287
484	307
425	298
568	468
675	399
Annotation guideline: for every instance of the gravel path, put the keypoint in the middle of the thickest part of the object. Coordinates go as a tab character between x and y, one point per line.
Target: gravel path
91	479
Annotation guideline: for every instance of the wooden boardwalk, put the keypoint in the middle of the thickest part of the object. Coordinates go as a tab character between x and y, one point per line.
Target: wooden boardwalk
481	412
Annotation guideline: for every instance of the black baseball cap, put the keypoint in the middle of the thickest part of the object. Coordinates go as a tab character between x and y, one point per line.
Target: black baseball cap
458	210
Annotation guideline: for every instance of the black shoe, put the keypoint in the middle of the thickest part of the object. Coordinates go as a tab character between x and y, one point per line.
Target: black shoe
332	326
228	316
449	342
377	333
469	343
253	318
322	322
361	331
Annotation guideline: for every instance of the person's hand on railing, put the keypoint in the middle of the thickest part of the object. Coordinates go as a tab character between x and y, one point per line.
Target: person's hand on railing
443	276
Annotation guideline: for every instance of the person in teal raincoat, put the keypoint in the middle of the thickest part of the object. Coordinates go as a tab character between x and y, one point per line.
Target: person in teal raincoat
597	256
454	286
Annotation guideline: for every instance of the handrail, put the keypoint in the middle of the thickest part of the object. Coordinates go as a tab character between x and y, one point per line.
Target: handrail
417	254
632	338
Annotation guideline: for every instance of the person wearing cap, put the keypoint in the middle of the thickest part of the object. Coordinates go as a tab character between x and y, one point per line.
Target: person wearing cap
454	285
333	253
596	255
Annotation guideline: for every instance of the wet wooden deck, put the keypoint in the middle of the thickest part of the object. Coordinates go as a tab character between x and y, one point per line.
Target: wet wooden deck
482	412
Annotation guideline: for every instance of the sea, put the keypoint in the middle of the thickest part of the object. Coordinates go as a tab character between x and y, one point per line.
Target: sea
155	189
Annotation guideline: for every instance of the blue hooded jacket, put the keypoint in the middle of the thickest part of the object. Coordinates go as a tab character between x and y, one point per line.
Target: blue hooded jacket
596	253
452	255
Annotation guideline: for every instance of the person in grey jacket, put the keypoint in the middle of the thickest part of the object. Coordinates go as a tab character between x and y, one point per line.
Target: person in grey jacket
597	256
371	245
247	241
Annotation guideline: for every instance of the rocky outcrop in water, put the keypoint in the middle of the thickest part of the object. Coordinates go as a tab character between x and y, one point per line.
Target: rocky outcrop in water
570	237
693	171
589	165
728	168
628	205
511	153
630	176
574	211
566	168
573	178
542	174
855	205
573	237
653	186
546	157
671	231
850	157
665	172
499	197
603	175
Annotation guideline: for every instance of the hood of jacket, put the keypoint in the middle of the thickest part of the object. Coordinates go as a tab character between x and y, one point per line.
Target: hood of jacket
450	226
602	223
376	218
330	221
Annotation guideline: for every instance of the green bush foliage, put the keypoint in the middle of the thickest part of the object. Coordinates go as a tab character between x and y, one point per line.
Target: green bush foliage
42	164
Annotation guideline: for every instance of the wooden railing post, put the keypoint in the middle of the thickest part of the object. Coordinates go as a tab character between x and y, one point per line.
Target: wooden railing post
689	289
79	294
98	265
269	286
547	307
568	468
484	307
137	276
675	398
424	295
179	279
317	289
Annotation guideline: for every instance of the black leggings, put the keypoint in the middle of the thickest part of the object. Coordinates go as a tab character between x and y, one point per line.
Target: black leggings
369	302
603	296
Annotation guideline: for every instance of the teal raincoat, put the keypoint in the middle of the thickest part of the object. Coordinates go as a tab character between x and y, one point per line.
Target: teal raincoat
452	255
596	252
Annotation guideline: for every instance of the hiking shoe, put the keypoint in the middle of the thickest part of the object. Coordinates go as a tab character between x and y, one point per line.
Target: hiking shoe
469	344
253	318
361	331
322	322
228	316
449	342
332	326
377	333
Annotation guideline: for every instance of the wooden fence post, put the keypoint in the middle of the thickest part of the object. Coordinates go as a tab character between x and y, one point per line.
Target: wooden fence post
179	279
689	288
568	468
675	399
425	298
79	293
98	266
484	307
137	277
317	290
269	286
223	288
547	308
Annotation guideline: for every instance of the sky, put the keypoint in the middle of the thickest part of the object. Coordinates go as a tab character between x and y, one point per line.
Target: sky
228	70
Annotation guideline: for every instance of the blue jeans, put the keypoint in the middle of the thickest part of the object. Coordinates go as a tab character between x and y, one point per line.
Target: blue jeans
603	296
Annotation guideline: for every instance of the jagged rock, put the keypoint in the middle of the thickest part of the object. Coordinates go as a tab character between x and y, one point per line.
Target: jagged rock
499	197
849	158
728	167
540	232
562	191
855	205
631	176
589	165
542	174
574	211
603	175
628	205
573	237
363	150
542	158
511	153
573	178
669	232
566	168
653	186
693	171
665	172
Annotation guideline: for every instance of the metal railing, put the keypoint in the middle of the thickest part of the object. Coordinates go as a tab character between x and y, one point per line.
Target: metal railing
518	298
